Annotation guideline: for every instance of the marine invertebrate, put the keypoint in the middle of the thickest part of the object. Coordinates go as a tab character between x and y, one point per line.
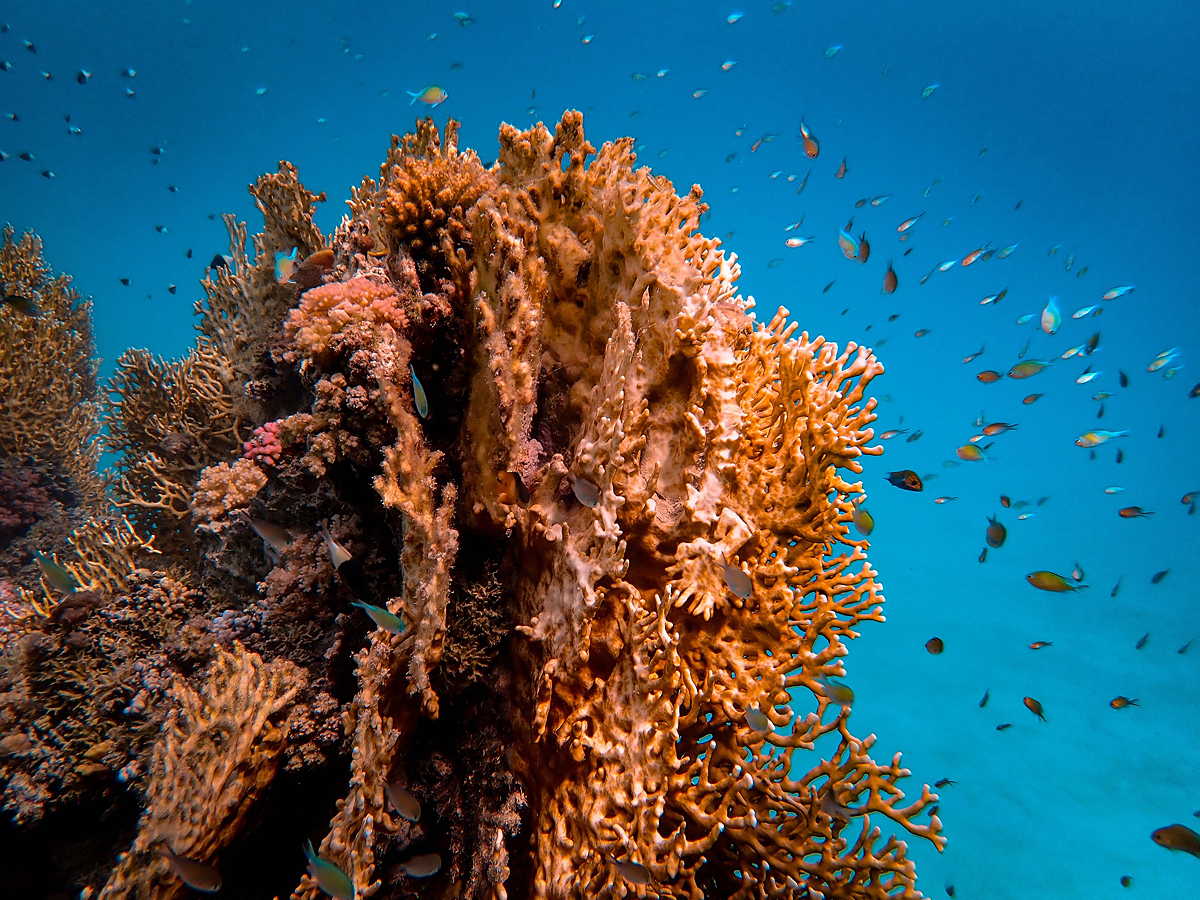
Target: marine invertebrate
217	753
47	369
523	409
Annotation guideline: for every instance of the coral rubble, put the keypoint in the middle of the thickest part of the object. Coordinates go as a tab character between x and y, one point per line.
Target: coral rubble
522	409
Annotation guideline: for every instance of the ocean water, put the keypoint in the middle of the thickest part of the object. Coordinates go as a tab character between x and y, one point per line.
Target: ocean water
1087	117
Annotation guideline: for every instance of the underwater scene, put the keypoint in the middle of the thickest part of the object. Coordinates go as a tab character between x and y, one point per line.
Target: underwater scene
579	449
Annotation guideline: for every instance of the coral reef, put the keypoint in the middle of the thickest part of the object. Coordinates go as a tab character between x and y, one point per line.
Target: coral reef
531	545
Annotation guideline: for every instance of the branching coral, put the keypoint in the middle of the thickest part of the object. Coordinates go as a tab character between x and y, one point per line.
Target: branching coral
524	410
47	369
217	753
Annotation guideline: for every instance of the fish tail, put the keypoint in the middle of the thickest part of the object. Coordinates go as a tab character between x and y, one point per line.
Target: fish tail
414	95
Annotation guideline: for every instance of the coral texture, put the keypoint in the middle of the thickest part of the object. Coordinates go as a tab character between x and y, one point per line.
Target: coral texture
538	537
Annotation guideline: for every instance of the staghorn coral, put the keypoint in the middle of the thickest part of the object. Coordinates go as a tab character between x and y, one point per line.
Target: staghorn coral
216	755
615	527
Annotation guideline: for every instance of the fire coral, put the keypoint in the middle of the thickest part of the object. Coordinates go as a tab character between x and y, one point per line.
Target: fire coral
619	542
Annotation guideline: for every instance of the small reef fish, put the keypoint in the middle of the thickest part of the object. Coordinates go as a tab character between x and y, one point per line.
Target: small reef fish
841	170
338	555
909	223
1133	512
1027	369
403	801
1142	641
864	248
22	304
56	575
835	691
812	149
847	243
1041	645
971	357
863	520
276	537
422	866
1119	291
997	428
996	533
1095	438
586	491
419	399
1034	707
331	879
1177	837
890	281
994	298
906	479
1051	316
969	453
757	719
1122	702
738	581
1157	577
928	90
1050	581
935	645
388	621
195	874
987	695
799	241
431	96
632	871
988	376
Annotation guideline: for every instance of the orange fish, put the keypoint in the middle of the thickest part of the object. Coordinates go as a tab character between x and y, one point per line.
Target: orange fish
1122	702
1051	581
943	499
988	376
1177	837
969	453
972	256
1034	707
996	532
997	428
890	281
1030	399
1005	501
864	248
811	148
1040	645
906	479
935	645
841	170
1133	512
863	520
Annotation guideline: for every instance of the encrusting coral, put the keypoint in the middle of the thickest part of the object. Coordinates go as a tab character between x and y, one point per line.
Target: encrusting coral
524	522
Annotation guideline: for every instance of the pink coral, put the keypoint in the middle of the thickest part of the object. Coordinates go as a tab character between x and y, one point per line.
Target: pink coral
329	316
265	445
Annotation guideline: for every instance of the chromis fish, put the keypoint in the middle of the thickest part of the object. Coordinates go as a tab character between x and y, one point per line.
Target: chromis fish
1177	837
284	265
1027	369
338	555
331	879
422	866
403	801
996	533
56	575
863	520
586	491
890	280
432	95
928	90
812	149
835	691
909	222
757	719
906	479
1051	316
1122	702
1051	581
1133	512
1034	707
1164	358
969	453
631	871
1095	438
738	581
195	874
847	243
1119	291
420	400
388	621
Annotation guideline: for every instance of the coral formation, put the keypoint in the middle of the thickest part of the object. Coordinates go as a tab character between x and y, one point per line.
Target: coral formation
537	537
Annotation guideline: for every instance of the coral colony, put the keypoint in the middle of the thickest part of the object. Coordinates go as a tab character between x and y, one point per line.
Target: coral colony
487	543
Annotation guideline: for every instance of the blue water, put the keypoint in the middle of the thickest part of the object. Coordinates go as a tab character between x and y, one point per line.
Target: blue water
1090	119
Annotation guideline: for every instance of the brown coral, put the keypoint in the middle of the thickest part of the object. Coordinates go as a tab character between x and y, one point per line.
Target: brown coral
217	753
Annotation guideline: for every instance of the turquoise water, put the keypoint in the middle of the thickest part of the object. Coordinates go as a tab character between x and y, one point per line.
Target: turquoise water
1089	121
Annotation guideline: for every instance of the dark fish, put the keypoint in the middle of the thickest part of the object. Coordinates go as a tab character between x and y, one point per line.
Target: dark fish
996	533
1123	379
1116	589
987	695
1034	707
1159	576
945	782
1177	837
935	645
983	555
22	304
1003	726
1184	649
906	479
1142	641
